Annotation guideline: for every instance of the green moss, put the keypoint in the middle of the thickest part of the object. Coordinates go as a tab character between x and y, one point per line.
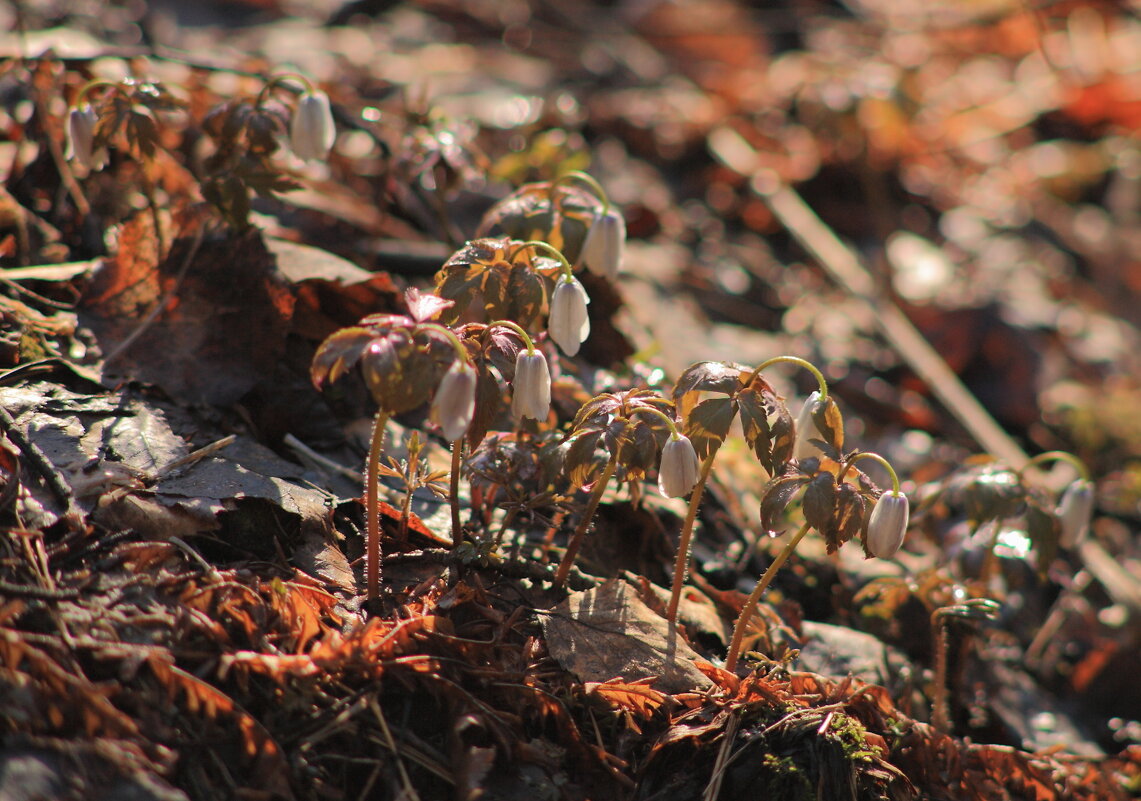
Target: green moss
788	781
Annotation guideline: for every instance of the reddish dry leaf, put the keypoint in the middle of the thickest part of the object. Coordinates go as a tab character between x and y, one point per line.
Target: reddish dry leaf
302	610
637	697
268	765
220	333
65	698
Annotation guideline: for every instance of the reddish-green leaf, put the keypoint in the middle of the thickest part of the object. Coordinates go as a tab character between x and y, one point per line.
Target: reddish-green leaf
707	425
778	492
819	498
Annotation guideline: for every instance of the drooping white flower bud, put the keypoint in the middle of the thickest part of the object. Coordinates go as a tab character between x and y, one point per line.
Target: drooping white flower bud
605	244
806	429
679	469
1074	512
569	323
888	524
454	404
532	387
312	131
81	122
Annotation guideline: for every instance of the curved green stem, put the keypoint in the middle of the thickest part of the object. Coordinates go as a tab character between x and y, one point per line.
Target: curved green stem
807	365
669	421
449	334
279	79
754	598
876	457
585	178
372	506
681	565
550	249
1057	456
91	86
518	329
588	515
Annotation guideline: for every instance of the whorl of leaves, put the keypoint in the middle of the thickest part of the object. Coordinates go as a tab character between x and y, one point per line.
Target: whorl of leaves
245	137
765	419
532	212
610	425
514	289
838	509
130	109
402	362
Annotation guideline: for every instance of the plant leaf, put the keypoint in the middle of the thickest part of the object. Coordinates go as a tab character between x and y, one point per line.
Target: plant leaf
708	424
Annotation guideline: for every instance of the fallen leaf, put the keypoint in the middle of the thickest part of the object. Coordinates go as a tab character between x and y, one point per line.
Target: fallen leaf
607	632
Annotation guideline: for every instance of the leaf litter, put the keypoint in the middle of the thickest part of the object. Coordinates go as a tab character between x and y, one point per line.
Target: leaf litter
180	607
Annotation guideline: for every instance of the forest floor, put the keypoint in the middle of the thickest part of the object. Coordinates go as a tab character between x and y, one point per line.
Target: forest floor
936	204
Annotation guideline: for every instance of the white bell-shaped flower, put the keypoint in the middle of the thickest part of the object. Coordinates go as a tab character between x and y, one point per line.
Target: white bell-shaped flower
569	323
888	524
605	244
806	429
1074	512
679	468
532	386
312	131
81	122
454	404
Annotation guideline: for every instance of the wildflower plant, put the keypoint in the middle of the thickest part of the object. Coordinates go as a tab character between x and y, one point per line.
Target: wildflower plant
573	213
990	492
514	280
404	360
124	115
710	396
614	434
247	135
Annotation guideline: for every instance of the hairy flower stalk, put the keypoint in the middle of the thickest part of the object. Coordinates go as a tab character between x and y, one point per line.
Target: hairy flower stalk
742	624
372	506
575	541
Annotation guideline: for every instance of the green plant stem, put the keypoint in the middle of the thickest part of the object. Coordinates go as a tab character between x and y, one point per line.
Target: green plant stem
454	491
372	506
755	596
681	566
588	515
